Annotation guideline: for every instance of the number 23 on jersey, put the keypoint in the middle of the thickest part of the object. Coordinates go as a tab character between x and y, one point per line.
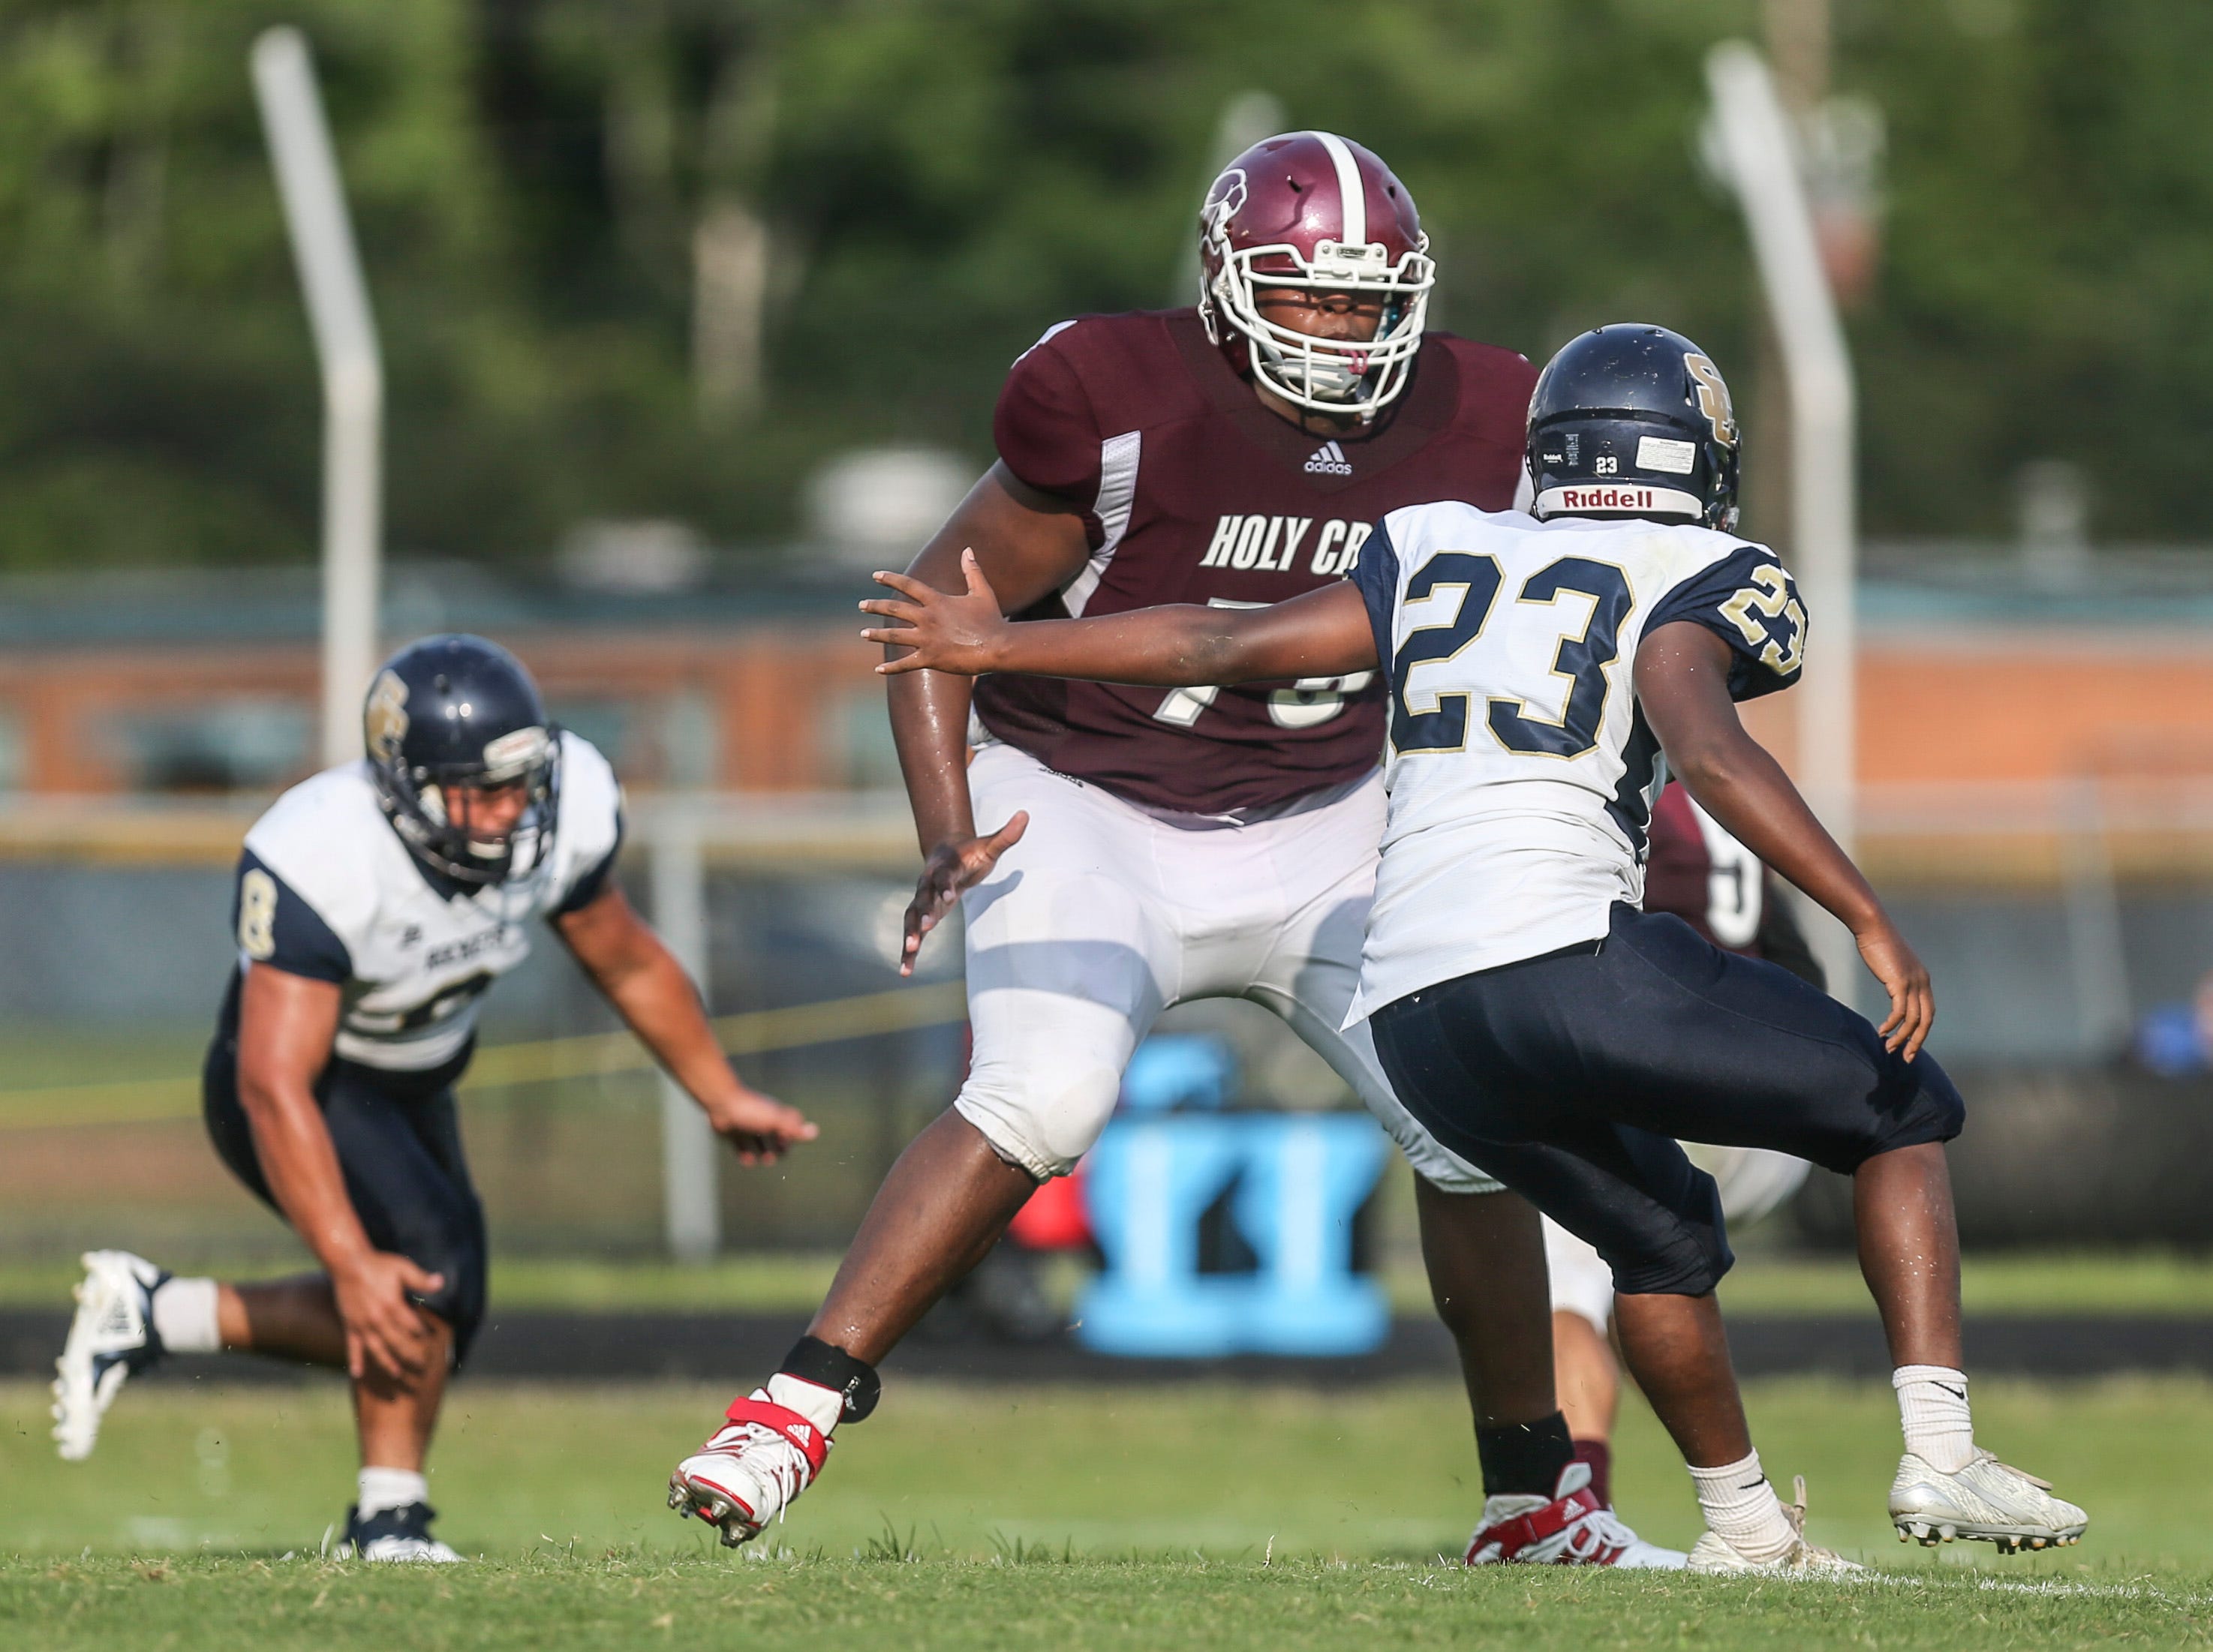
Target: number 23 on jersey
1590	601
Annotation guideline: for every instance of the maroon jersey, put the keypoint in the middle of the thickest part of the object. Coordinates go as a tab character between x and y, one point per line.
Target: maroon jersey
1695	870
1722	895
1194	492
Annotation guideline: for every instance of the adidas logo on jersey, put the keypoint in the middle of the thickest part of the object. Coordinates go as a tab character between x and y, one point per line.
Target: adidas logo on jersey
1329	459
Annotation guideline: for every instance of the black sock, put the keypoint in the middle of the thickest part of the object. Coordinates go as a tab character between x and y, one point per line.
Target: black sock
812	1360
1524	1458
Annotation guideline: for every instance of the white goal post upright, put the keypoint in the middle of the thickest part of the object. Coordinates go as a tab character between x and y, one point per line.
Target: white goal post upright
691	1215
1759	152
352	373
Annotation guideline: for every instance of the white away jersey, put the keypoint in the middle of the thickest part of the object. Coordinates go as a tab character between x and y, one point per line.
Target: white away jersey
1520	769
326	889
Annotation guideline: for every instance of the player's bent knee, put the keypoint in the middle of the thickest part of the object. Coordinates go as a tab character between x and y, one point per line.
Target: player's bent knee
460	1301
1042	1129
1679	1247
1693	1269
1919	1105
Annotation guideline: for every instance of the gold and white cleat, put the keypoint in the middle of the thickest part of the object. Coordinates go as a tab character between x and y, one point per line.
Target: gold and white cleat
1987	1501
1713	1555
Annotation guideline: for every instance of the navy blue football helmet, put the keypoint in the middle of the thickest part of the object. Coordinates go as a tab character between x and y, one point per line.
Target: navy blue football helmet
1631	420
450	717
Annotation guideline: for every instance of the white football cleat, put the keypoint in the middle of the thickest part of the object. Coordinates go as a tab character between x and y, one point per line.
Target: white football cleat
1986	1500
395	1536
1713	1554
111	1339
1571	1528
751	1470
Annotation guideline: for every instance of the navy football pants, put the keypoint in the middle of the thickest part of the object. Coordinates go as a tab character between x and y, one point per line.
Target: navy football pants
399	1143
1570	1077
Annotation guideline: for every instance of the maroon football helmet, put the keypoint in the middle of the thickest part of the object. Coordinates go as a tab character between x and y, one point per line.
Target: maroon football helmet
1317	211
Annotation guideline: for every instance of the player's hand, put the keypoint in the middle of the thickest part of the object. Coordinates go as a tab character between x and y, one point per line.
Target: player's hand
953	867
940	632
383	1327
1906	979
759	1128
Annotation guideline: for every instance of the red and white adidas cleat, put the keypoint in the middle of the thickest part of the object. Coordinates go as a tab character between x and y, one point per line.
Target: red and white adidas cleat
1574	1528
751	1470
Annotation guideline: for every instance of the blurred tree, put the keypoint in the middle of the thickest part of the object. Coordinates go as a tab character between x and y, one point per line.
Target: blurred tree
659	257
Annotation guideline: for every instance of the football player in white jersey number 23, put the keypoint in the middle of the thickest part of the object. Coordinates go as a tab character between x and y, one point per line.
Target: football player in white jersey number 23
377	903
1527	1012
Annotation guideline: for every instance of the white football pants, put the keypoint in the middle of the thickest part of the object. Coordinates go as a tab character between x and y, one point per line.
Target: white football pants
1753	1181
1105	915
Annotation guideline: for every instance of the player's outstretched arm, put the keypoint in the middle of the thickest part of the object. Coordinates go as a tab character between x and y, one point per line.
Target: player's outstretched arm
1034	543
649	990
1324	633
1682	682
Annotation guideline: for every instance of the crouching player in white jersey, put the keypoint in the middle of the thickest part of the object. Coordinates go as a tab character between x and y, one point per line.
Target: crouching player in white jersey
377	903
1526	1011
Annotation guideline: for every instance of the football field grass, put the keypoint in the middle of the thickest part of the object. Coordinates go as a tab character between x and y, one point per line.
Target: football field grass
1065	1517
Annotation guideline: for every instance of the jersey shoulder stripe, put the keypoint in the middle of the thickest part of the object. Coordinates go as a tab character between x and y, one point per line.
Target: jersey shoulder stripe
591	830
323	839
1741	593
275	926
1086	385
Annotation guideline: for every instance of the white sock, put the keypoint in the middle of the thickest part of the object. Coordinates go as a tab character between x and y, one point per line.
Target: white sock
1932	1405
1742	1509
818	1404
390	1487
185	1317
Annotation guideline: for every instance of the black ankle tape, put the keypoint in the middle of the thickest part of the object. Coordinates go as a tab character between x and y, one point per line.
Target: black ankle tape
1524	1458
813	1360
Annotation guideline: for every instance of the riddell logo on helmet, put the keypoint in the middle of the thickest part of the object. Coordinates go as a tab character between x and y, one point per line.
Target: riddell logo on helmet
1628	498
1611	498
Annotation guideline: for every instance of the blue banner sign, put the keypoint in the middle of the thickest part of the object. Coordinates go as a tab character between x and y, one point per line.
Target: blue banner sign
1295	1184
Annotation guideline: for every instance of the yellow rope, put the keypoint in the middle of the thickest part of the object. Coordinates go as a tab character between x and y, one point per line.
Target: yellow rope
750	1032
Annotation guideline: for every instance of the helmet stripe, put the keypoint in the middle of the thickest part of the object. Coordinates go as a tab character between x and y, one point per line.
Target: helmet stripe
1350	189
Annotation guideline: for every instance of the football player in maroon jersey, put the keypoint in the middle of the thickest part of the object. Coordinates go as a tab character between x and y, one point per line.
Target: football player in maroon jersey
1695	870
1200	842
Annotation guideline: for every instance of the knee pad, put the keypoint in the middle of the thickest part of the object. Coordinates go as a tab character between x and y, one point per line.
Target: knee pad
1042	1123
1938	1111
1916	1103
1691	1257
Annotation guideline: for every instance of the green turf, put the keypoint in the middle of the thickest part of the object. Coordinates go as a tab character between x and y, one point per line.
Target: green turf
2091	1283
1999	1282
770	1283
622	1601
1067	1516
